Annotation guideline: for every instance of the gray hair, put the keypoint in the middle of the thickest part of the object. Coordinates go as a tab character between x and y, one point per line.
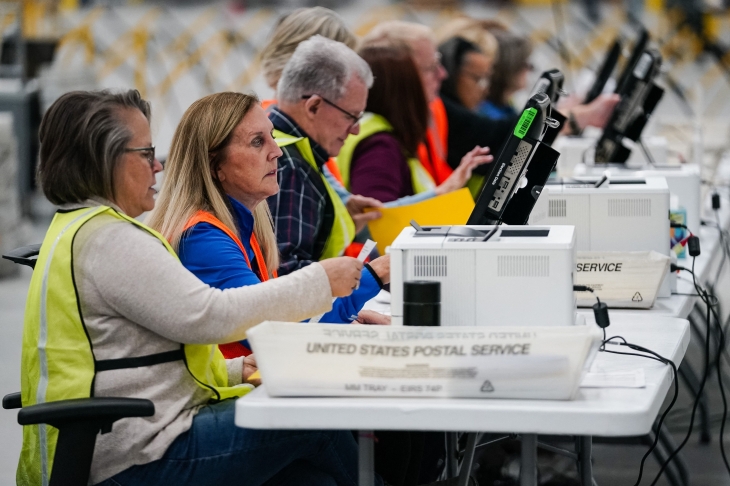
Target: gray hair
321	66
83	138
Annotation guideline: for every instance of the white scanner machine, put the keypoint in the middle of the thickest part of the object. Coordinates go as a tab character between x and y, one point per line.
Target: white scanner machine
521	275
623	214
683	180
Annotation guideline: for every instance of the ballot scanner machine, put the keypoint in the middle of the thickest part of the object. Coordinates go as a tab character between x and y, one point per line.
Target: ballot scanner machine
621	215
490	276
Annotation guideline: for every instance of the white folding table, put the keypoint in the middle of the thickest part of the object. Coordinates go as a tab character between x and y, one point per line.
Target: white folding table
595	411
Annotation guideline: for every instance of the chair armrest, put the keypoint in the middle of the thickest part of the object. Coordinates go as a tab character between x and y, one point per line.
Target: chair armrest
12	401
25	255
99	409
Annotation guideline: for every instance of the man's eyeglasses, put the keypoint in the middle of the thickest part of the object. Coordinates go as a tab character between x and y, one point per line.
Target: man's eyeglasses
148	152
355	118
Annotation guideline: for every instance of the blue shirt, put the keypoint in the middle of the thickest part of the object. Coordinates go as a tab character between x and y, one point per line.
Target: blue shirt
217	260
496	112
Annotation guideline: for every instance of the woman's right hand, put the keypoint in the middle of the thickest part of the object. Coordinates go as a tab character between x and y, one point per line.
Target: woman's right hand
343	274
458	179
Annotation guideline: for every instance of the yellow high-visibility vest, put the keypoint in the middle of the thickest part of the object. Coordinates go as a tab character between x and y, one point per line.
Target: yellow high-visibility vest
58	360
371	124
343	228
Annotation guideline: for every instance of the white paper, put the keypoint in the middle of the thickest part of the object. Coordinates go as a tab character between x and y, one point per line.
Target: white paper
615	379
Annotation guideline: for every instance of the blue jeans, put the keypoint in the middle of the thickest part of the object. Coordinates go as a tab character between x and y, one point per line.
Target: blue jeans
215	452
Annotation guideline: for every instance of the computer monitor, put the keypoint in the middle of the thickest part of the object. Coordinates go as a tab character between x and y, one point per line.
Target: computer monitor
512	163
639	96
640	45
605	71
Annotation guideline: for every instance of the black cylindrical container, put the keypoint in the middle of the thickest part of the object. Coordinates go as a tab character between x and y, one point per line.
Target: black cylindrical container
422	303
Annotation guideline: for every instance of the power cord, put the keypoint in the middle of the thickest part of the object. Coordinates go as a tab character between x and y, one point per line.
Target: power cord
710	302
600	311
656	357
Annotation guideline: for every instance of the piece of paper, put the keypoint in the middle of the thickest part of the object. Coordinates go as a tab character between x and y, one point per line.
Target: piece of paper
452	208
617	379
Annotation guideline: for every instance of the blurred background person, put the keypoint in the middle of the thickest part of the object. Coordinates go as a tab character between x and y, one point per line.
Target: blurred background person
380	161
469	72
509	75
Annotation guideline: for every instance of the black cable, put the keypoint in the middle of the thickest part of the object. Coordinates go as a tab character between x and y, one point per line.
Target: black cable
721	346
656	357
718	366
705	298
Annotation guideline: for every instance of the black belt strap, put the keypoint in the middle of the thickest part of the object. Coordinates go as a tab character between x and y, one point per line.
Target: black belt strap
138	362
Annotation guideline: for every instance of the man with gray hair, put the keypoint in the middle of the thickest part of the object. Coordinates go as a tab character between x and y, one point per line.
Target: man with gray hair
322	95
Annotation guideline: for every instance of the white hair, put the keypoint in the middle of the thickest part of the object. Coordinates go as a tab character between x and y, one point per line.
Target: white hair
321	66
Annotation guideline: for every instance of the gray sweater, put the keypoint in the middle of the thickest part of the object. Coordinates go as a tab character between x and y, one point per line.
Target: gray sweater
136	299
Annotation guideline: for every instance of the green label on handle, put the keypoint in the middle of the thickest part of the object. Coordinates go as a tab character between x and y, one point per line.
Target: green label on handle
525	121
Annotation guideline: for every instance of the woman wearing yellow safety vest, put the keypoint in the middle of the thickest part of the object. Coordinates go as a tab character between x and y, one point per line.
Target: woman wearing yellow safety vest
380	161
112	312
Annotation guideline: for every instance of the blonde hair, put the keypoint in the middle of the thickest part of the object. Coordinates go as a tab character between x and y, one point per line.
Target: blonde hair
198	148
471	30
397	32
296	27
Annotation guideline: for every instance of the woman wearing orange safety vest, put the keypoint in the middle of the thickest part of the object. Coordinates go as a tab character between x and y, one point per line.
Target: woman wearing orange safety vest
218	226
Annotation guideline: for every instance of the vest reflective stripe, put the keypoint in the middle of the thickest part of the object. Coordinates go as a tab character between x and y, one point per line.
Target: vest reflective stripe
206	217
42	343
343	228
58	362
371	124
433	151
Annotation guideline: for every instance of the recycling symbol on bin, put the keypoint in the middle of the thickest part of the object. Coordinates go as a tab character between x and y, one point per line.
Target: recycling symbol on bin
637	297
487	386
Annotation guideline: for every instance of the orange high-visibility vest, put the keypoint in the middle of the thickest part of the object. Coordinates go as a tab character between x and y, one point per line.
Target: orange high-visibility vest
331	164
432	152
234	350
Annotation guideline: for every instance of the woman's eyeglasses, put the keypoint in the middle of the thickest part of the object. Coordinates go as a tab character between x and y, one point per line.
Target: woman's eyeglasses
481	81
148	152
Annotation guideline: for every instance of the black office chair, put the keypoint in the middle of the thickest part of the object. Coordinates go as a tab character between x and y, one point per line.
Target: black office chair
78	420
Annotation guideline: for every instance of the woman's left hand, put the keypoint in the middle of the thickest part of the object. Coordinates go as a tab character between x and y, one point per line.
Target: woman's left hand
249	368
381	265
372	317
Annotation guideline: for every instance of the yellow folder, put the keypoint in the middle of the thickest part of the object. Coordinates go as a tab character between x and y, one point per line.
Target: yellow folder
256	375
452	208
